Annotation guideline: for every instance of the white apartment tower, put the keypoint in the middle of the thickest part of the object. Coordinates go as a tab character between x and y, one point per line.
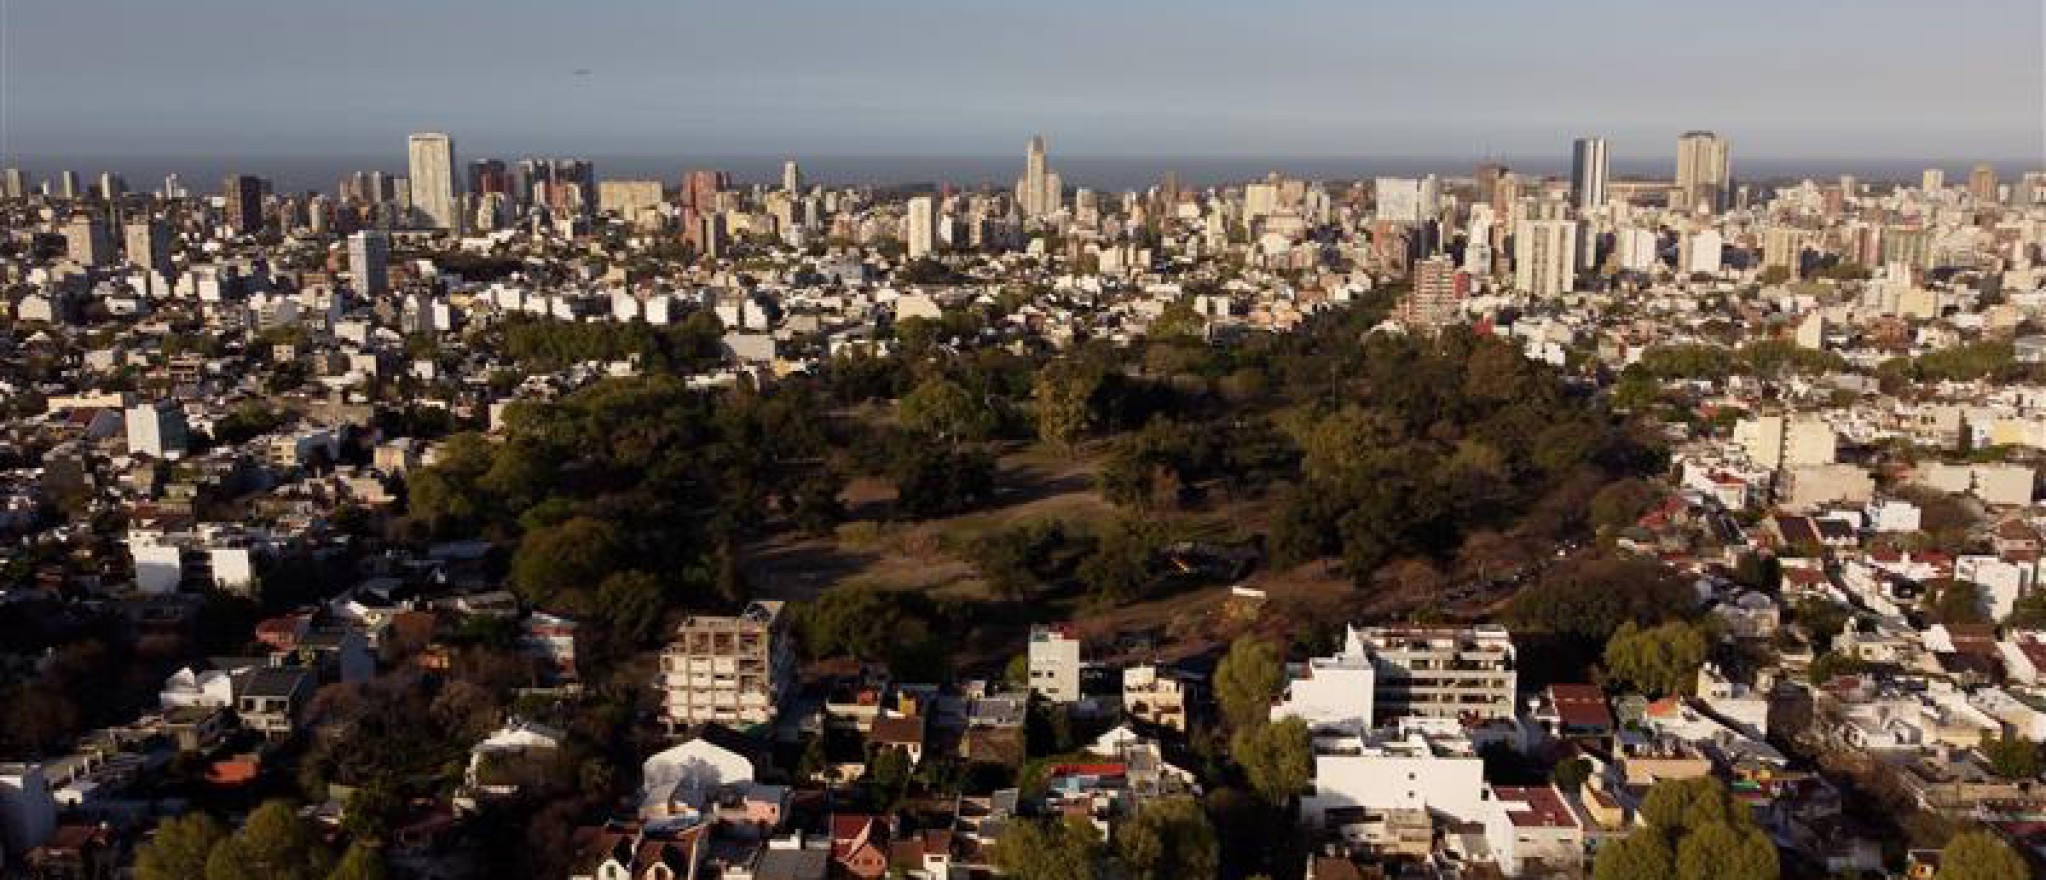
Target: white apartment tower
1055	663
156	429
432	158
922	222
1544	257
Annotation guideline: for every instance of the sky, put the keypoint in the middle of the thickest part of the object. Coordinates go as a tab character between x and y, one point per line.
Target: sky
1931	80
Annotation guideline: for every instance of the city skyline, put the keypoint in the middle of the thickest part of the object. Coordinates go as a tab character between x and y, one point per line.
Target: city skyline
1142	78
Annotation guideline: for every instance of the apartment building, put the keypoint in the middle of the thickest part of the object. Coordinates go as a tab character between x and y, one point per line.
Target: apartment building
730	670
1441	672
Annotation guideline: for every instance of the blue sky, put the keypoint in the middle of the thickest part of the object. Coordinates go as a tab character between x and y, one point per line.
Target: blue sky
1854	79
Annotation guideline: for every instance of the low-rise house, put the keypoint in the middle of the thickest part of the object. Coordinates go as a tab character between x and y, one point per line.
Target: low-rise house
269	699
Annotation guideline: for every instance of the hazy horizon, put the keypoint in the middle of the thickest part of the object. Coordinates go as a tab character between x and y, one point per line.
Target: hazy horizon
301	172
1783	80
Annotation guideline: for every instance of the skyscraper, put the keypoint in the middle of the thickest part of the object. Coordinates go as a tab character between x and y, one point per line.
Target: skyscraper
1982	183
148	246
244	194
1544	257
67	184
369	258
1704	173
791	176
922	233
87	242
1934	180
13	184
432	158
1040	192
1588	173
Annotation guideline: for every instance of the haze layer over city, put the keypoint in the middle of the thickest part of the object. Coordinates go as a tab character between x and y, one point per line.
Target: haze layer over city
948	440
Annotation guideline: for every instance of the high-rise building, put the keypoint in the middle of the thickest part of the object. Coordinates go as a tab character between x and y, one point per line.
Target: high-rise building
67	185
156	429
1487	178
700	189
791	176
369	259
432	162
13	184
148	246
1636	247
1982	183
922	223
1783	248
1438	295
489	176
728	670
87	241
1588	173
1040	193
1704	173
1933	180
1545	257
1399	200
244	195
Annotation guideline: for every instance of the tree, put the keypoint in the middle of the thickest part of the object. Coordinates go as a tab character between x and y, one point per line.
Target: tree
1719	851
943	409
1067	849
1833	664
179	849
361	862
1620	503
1247	680
2011	757
1064	396
1119	569
1277	758
632	604
1589	599
1979	855
1169	839
558	567
272	845
1693	829
1952	601
1660	661
1638	856
888	773
1683	805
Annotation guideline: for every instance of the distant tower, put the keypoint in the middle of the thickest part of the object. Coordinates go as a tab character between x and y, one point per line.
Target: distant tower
67	185
148	246
87	242
791	176
244	194
432	158
923	226
1588	173
1982	183
13	184
1933	180
1704	173
1040	191
369	258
